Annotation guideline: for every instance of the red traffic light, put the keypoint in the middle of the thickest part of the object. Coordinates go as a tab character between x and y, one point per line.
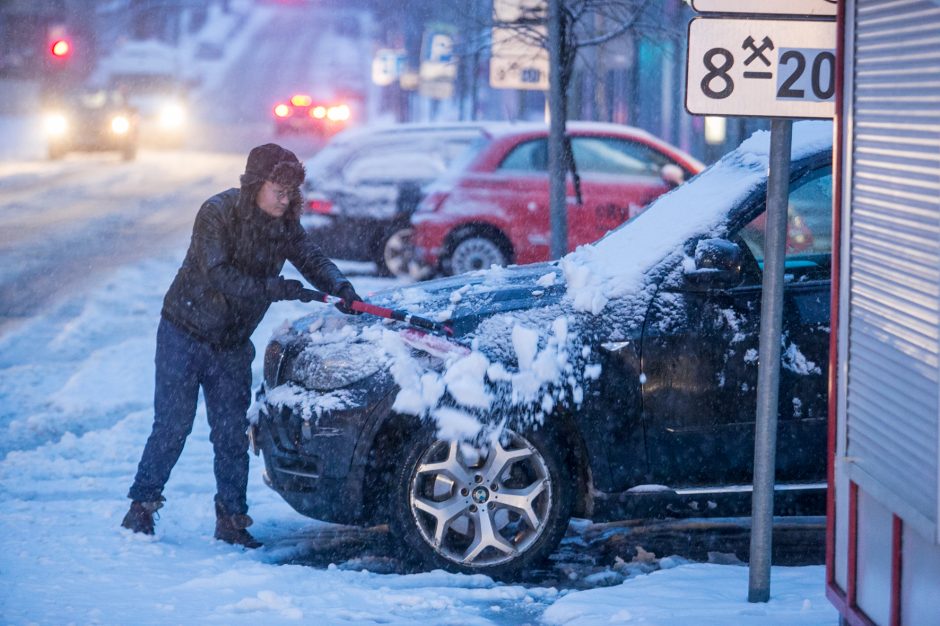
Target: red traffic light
61	48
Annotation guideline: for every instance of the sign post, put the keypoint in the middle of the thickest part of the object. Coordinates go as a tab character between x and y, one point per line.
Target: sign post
781	69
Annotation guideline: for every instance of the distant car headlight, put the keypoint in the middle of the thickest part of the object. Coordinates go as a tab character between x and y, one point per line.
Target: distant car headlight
325	367
172	116
55	124
120	125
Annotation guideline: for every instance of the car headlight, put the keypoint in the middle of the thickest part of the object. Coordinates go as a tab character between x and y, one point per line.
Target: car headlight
172	116
120	125
55	124
325	367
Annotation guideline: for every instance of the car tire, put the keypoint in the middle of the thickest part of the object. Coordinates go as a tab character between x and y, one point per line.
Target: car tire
473	251
396	253
499	514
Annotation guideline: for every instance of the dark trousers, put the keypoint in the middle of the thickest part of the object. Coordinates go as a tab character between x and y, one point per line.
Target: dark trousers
183	365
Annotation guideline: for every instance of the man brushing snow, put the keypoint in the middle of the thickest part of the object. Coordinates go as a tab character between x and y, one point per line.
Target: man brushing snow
229	278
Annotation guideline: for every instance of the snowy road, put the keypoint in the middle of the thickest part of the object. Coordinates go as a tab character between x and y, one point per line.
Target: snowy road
62	223
297	49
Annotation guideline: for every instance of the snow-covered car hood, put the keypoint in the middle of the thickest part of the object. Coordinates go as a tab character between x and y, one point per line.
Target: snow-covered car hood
463	301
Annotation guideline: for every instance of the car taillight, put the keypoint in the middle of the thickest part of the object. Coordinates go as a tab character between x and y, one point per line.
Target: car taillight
319	204
282	110
339	113
318	112
301	100
434	201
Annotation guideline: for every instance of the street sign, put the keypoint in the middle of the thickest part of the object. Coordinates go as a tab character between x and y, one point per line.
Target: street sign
515	11
518	58
387	66
761	68
518	62
438	65
768	7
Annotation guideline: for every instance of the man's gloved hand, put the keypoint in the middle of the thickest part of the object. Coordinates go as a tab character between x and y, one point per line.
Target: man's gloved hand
280	288
349	295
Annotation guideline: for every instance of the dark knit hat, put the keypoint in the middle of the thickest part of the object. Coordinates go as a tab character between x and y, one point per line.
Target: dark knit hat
274	163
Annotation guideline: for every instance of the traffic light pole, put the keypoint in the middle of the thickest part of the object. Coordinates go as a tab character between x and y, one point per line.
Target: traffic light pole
768	372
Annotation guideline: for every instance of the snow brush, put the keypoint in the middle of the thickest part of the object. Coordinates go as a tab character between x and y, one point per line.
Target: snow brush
312	295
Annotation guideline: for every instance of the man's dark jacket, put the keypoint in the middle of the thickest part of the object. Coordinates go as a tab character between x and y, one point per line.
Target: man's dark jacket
219	294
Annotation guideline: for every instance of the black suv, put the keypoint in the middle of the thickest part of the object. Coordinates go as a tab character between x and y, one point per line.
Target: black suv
618	383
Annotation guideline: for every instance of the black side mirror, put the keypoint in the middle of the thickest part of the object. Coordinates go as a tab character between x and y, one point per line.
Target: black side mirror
718	265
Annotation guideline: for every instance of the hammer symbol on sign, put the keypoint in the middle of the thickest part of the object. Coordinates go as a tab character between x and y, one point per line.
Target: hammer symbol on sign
758	51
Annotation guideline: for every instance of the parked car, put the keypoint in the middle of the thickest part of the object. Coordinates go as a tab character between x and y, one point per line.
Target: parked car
620	382
363	186
91	120
494	210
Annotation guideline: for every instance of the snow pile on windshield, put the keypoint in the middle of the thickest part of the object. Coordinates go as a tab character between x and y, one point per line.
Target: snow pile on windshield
615	265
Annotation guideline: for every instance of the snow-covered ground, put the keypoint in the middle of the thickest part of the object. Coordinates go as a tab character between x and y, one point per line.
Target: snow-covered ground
75	391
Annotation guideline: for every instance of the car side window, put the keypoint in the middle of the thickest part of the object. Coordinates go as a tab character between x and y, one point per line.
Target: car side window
809	227
528	156
609	155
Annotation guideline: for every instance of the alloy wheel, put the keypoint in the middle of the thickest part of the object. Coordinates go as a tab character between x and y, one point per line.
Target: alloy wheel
480	507
397	253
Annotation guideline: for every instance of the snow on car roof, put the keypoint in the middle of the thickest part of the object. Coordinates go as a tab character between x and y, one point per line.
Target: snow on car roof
614	266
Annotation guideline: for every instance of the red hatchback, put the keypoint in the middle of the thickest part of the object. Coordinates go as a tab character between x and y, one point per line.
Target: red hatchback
494	208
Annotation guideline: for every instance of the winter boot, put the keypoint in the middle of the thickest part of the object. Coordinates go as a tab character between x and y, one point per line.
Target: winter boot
141	514
231	529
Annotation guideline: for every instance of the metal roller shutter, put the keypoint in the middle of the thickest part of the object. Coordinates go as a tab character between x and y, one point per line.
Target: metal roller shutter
894	242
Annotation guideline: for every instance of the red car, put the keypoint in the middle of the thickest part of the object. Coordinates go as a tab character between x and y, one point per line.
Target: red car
495	209
303	114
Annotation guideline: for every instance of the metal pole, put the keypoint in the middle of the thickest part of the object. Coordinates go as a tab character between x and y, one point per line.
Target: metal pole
558	209
768	373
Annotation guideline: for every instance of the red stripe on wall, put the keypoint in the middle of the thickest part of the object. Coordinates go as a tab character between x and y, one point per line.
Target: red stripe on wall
897	538
852	589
